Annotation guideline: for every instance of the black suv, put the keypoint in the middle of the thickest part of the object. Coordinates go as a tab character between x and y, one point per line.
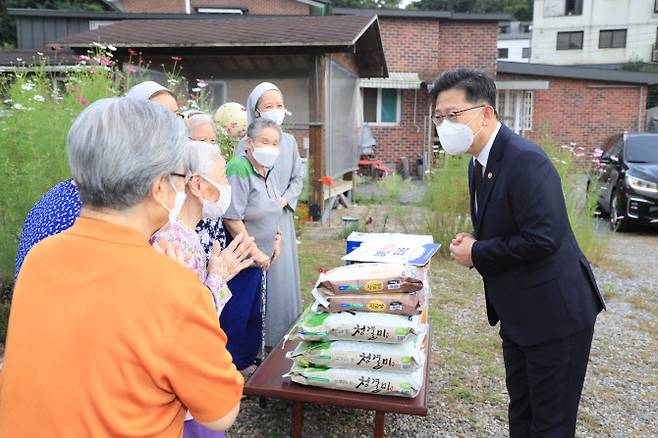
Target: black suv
627	180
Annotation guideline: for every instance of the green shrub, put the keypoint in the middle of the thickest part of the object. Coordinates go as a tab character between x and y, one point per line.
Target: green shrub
34	121
447	200
33	128
581	206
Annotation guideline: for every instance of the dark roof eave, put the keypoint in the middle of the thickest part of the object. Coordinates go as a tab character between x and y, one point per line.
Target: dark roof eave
133	45
21	12
570	72
429	15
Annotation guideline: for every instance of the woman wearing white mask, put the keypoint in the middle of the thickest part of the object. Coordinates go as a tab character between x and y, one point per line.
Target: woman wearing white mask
283	294
207	195
201	127
255	211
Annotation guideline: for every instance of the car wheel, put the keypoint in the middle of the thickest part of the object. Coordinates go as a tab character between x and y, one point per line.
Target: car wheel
618	221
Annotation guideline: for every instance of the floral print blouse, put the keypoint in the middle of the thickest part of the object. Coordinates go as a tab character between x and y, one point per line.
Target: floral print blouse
195	259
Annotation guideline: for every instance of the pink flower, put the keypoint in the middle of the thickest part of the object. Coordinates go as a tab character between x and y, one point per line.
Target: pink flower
239	133
597	152
132	52
83	101
56	47
176	58
579	154
193	96
131	69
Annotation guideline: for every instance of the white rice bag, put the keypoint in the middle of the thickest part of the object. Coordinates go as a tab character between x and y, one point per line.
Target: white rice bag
361	326
360	380
371	278
405	357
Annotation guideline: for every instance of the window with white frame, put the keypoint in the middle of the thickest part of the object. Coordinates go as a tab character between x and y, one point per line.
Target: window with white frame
514	108
381	106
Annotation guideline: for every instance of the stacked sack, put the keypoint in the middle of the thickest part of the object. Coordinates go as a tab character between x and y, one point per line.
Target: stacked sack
365	332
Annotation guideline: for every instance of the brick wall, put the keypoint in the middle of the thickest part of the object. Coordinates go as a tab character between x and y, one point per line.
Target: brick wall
410	45
256	7
468	44
582	111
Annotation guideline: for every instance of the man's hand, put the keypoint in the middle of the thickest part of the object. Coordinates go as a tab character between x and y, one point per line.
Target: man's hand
460	249
459	238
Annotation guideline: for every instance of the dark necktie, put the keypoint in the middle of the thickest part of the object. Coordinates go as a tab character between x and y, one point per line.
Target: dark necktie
477	179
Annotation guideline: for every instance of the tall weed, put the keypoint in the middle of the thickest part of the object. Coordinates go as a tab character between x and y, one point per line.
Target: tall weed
572	163
447	200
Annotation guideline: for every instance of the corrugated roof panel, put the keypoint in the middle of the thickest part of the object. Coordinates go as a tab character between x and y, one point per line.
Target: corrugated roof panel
398	80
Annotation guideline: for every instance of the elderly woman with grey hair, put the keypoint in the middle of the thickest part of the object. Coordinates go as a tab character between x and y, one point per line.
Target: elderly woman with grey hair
202	127
107	337
207	195
255	210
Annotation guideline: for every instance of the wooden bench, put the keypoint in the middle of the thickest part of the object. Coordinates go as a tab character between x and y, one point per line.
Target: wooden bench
268	383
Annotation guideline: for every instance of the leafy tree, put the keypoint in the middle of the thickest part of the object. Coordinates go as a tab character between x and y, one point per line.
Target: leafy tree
520	9
8	24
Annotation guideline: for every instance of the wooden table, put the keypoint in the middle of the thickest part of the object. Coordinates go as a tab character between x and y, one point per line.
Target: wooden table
268	383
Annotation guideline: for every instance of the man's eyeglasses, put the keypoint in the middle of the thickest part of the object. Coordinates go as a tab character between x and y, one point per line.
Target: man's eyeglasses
452	116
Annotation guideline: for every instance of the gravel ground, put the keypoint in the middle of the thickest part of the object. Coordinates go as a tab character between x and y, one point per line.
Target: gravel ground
467	395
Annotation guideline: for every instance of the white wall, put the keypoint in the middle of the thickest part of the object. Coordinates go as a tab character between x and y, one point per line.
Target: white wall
549	19
514	50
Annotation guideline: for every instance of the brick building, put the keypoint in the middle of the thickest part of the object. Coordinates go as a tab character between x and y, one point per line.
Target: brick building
571	104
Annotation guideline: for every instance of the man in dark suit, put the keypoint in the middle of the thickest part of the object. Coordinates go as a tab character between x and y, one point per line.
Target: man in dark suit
537	281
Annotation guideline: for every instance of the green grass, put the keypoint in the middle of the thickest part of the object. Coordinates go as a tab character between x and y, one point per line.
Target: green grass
315	255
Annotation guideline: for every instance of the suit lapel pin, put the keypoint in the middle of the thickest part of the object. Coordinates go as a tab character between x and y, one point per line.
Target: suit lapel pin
490	175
